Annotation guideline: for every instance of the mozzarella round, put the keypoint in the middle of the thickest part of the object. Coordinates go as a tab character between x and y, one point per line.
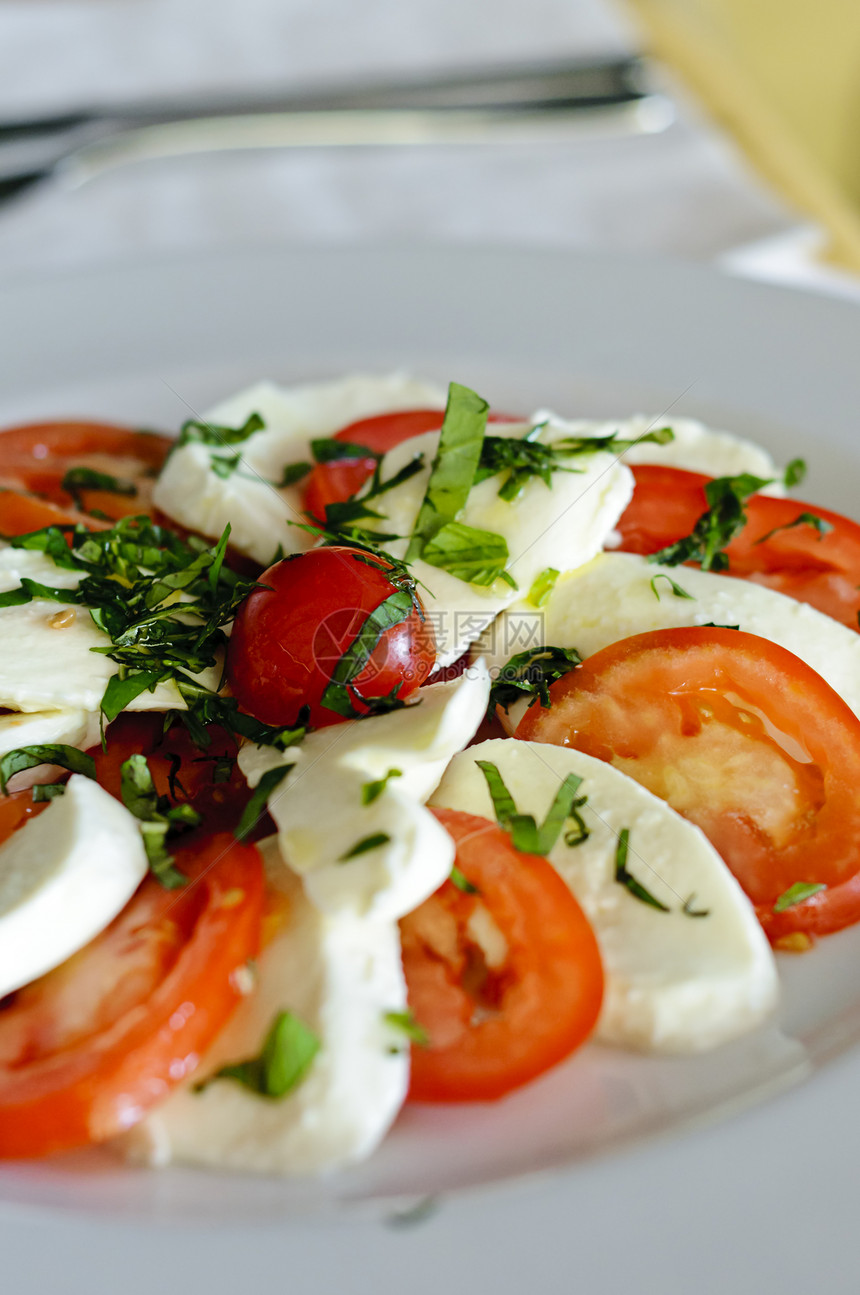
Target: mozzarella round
340	975
64	877
319	807
674	983
262	514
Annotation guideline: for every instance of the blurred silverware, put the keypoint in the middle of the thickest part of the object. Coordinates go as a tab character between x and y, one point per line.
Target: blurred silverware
573	99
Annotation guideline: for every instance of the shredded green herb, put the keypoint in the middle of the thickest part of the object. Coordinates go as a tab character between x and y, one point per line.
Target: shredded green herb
453	470
676	588
371	791
522	828
625	878
797	894
406	1023
542	587
286	1057
530	674
158	819
366	844
78	479
30	757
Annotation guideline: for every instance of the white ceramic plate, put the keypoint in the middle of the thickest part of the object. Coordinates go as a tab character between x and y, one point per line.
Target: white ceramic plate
588	335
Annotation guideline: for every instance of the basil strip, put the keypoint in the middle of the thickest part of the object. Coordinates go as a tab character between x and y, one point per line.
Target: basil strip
716	528
30	589
478	557
371	791
194	431
406	1023
797	894
395	609
256	806
795	472
366	844
459	879
78	479
120	693
803	519
157	819
286	1057
522	828
328	450
30	757
676	588
542	587
453	471
530	674
625	878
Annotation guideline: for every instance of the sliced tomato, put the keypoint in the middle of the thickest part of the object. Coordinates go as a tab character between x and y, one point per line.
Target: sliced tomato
494	1023
742	738
21	513
15	809
86	1050
775	548
37	456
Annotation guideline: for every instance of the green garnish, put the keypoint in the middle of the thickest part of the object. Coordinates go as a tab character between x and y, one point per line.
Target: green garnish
343	517
625	878
694	912
522	828
796	894
340	692
157	816
525	457
462	882
529	674
543	585
286	1057
716	528
795	472
78	479
29	757
406	1023
371	791
364	845
453	470
47	791
803	519
676	588
476	556
293	473
256	805
328	450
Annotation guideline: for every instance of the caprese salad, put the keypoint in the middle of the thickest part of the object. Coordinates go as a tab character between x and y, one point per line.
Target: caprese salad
364	744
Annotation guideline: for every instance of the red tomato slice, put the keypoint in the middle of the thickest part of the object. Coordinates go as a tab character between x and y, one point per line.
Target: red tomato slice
37	456
822	570
493	1028
86	1050
288	638
742	738
21	513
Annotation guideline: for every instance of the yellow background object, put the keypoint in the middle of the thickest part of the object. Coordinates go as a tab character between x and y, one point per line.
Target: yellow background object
783	76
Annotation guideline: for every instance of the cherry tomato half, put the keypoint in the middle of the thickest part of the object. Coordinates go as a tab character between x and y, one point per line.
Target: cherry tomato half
86	1050
742	738
820	569
492	1028
287	640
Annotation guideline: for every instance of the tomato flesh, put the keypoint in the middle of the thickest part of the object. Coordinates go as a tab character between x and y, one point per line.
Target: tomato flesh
822	570
492	1028
288	639
86	1050
742	738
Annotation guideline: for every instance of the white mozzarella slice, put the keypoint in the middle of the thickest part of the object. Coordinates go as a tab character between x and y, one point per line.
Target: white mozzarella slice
321	816
78	728
64	877
695	447
674	983
560	526
259	512
340	975
46	657
613	597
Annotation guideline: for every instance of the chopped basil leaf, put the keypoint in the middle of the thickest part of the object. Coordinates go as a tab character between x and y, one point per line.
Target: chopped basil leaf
522	828
206	707
803	519
196	432
462	882
328	450
529	674
157	818
78	479
694	912
406	1023
453	471
256	806
795	472
364	845
716	528
293	473
476	556
286	1057
371	791
30	589
718	625
625	878
580	833
47	791
30	757
797	894
543	586
395	609
676	588
119	693
343	516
